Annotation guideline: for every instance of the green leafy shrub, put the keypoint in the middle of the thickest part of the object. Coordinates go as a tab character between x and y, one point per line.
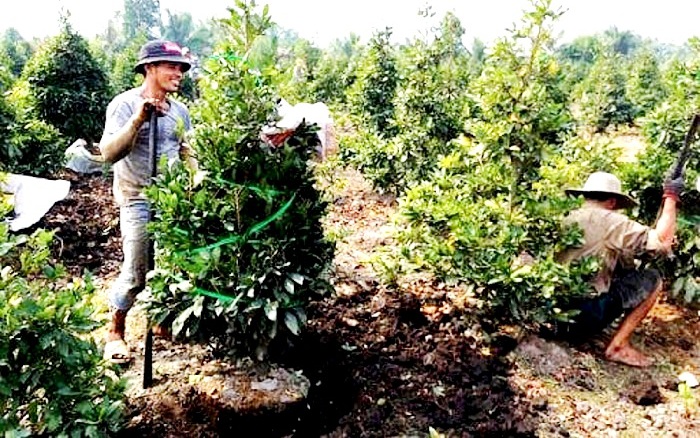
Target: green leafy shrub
7	117
372	93
667	123
645	88
36	148
335	72
6	77
521	113
17	49
464	226
240	247
295	61
429	108
601	98
499	194
69	89
122	76
28	146
52	378
431	96
664	129
577	57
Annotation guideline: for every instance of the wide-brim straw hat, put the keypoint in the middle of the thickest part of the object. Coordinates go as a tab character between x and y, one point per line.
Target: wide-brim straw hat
161	51
601	184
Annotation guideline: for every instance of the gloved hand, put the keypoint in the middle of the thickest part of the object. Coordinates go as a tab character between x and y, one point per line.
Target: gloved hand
673	187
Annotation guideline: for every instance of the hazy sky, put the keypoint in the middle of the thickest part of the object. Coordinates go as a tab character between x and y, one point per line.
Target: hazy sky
671	21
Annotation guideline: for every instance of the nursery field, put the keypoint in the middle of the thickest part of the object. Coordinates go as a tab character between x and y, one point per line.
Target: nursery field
361	240
397	361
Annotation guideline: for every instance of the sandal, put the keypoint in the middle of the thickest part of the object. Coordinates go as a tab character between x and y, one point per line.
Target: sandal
117	352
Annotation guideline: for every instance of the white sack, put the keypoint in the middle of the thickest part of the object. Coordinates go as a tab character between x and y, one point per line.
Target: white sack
291	116
79	159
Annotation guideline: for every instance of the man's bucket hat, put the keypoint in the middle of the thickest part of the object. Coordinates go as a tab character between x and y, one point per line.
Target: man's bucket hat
161	51
601	184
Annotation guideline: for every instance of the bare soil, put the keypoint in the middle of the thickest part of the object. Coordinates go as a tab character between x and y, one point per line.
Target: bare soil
390	361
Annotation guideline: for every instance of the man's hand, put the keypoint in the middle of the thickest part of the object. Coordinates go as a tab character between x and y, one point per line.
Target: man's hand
673	187
145	108
119	145
187	155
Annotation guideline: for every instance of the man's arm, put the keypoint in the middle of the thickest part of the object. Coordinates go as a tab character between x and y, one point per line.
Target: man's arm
666	225
119	144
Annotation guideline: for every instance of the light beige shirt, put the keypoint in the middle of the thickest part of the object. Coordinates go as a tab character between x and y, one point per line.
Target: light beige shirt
132	173
611	236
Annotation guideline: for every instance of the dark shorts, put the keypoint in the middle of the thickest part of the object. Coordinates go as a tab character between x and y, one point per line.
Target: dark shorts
628	289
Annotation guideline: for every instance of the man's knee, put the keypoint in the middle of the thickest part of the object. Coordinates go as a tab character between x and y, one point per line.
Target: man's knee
122	295
653	279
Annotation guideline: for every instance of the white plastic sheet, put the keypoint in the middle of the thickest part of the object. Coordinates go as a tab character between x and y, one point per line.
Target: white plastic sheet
33	197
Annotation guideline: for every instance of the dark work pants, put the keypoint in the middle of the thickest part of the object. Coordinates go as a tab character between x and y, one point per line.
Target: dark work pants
628	289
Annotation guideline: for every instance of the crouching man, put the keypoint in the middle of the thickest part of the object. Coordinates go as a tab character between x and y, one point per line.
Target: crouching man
619	288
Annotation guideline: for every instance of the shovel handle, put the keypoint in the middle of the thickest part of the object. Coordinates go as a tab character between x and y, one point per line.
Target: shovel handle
153	157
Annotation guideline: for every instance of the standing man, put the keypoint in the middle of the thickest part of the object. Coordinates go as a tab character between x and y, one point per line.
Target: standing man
619	287
125	143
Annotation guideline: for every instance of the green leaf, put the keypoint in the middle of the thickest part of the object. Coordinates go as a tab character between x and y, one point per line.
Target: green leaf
181	319
271	310
290	320
289	286
297	278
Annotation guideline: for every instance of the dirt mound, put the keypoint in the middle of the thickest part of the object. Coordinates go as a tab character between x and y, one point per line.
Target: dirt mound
86	226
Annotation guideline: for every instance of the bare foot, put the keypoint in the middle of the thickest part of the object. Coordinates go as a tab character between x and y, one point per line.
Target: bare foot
628	356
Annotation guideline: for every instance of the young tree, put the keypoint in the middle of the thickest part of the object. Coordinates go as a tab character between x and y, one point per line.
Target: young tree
435	76
27	145
624	43
6	77
601	98
372	95
122	75
182	29
68	87
577	58
478	56
496	199
667	123
240	246
336	71
429	110
645	87
8	151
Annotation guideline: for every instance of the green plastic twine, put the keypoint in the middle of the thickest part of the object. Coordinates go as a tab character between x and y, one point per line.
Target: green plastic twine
216	295
237	238
264	192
